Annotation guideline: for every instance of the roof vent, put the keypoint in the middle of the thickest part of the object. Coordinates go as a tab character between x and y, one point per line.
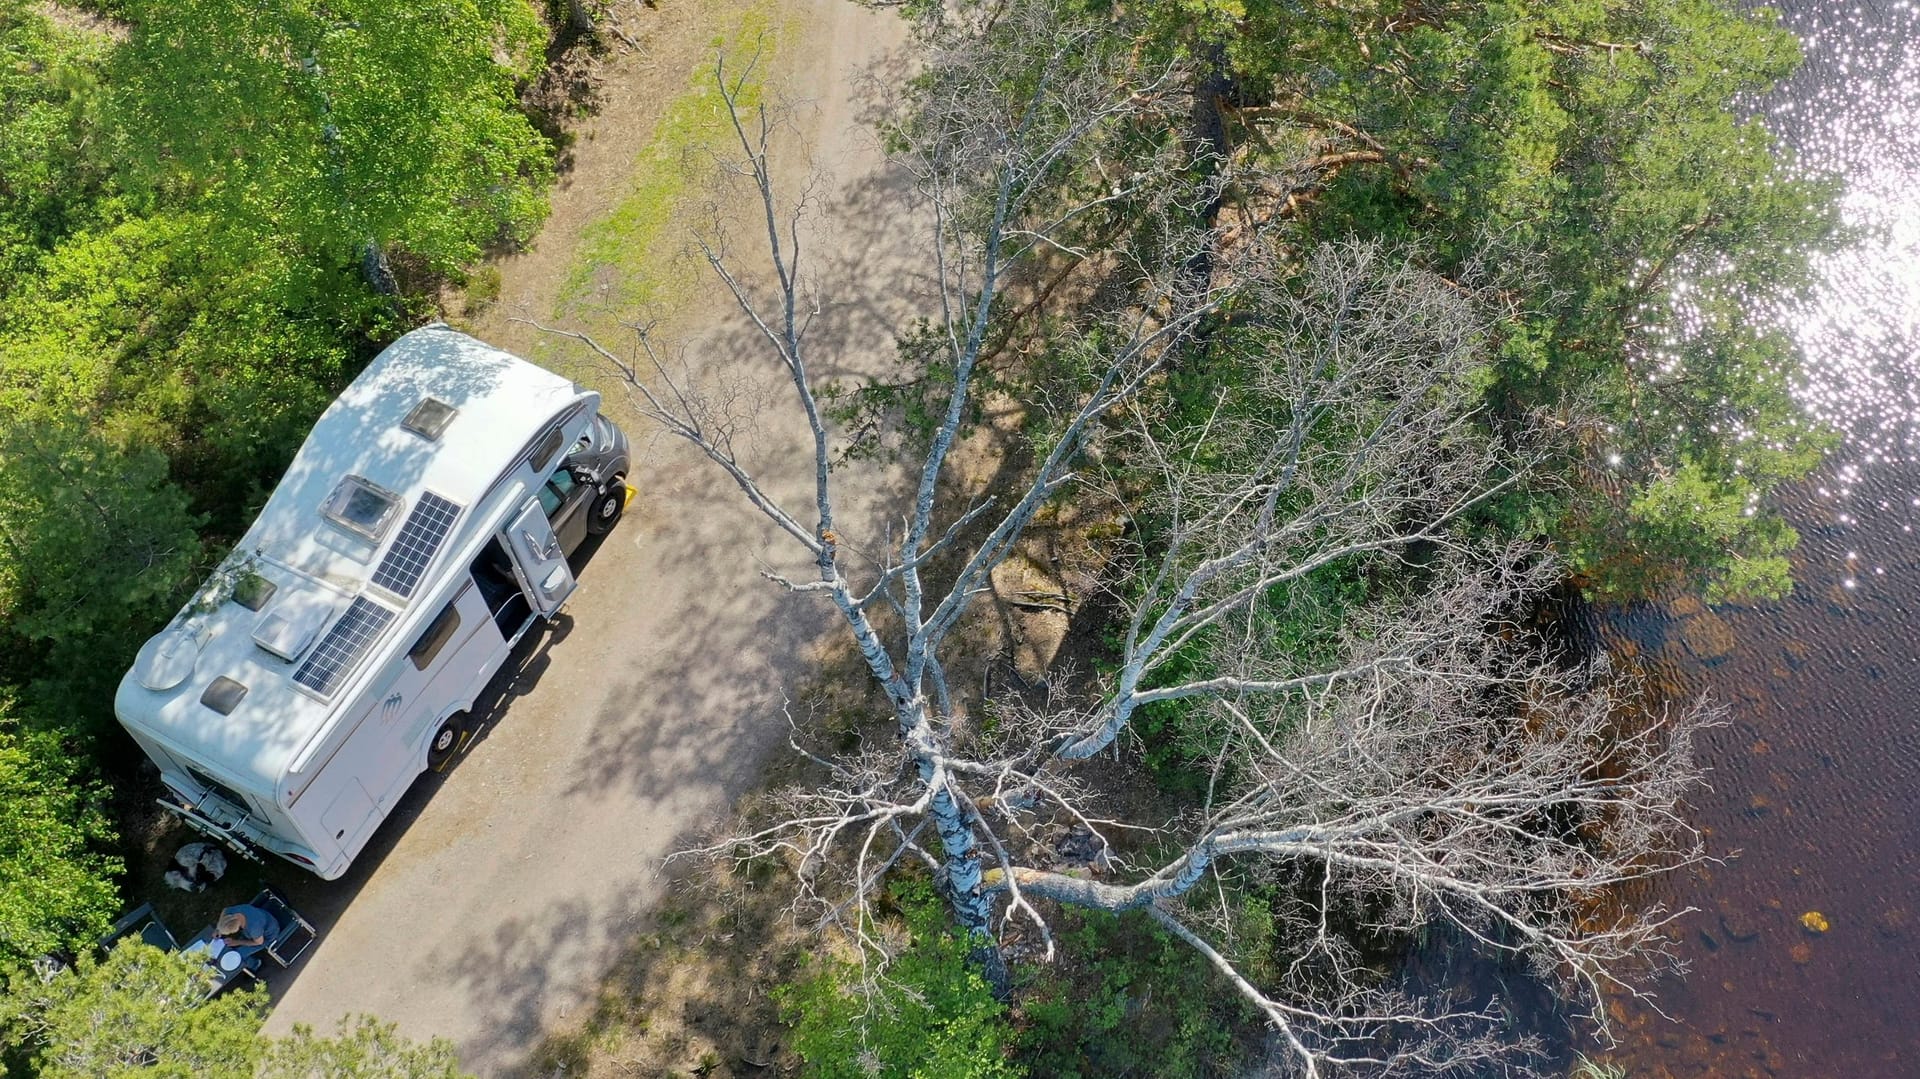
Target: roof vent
253	591
289	627
223	695
362	507
429	418
167	659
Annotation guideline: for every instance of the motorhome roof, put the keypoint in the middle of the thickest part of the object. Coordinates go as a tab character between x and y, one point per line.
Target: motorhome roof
499	402
414	477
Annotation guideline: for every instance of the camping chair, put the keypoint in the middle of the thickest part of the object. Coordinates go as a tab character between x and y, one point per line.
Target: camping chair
296	934
143	921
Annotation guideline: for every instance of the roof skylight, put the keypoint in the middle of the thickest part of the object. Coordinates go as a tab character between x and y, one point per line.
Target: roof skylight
253	591
429	418
362	507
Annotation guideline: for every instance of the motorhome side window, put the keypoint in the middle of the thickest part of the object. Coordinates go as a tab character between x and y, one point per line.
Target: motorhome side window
546	449
437	635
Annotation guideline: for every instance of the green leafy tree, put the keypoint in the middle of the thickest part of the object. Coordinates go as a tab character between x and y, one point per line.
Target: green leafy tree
56	889
341	129
1684	518
1587	161
140	1013
363	1048
49	176
154	334
95	546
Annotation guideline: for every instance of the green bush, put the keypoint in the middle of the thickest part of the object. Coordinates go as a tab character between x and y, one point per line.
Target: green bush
327	128
930	1016
363	1048
56	889
140	1013
1678	528
1127	999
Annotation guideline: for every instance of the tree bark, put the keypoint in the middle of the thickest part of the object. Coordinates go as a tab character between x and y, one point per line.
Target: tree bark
375	270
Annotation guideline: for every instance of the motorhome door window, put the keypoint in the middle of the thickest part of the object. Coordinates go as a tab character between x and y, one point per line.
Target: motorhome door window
553	494
362	507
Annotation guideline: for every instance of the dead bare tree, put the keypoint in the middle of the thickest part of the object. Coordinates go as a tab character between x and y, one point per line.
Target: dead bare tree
1434	766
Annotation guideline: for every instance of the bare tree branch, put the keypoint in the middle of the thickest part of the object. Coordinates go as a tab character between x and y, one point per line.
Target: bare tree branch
1424	764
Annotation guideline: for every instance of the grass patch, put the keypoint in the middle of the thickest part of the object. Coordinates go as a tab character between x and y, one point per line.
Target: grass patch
482	290
608	273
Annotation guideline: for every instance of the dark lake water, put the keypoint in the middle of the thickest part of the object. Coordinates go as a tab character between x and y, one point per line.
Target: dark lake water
1816	780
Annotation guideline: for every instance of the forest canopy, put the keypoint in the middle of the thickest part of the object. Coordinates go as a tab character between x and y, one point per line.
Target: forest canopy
1592	163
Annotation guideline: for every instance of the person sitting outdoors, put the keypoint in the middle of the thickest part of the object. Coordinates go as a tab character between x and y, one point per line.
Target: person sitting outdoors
246	930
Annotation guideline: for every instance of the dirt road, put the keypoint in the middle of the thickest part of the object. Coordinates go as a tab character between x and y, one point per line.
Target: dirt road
491	904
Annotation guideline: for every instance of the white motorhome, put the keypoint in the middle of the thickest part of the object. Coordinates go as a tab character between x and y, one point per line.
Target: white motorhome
423	527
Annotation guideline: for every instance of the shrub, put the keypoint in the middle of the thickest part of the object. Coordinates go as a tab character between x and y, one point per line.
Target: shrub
56	890
1129	1000
928	1015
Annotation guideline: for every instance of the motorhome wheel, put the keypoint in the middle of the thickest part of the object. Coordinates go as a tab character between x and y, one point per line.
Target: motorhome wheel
608	507
446	742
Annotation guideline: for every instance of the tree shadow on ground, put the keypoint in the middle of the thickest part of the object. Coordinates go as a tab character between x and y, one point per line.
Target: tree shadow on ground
692	989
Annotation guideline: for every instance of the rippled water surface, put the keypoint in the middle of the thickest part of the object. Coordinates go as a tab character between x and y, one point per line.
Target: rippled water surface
1816	780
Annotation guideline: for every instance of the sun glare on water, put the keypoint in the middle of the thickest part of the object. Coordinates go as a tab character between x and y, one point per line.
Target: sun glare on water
1853	111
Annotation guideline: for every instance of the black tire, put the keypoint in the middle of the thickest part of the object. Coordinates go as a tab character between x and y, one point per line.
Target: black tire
447	742
607	508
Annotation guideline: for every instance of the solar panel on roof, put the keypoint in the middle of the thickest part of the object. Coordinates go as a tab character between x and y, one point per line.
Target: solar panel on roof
419	539
343	646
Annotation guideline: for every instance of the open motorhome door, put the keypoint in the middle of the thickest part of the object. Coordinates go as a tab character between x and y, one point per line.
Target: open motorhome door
538	560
